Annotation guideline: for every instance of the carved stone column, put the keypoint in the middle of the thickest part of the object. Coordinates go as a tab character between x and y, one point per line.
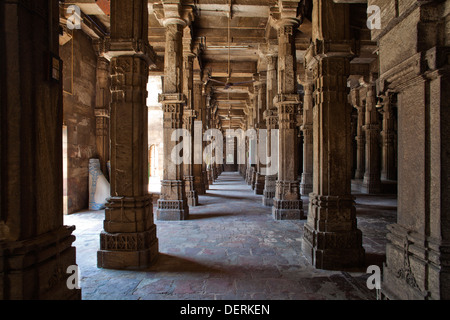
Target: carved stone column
205	119
199	108
306	184
360	135
287	203
172	204
331	239
372	182
103	99
210	106
129	236
261	125
189	115
35	247
271	117
388	139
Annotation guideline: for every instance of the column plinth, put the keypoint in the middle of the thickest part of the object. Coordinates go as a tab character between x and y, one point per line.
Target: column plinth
260	181
287	204
331	240
172	204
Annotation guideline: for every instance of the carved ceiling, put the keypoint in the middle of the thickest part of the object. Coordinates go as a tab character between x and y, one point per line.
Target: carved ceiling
237	45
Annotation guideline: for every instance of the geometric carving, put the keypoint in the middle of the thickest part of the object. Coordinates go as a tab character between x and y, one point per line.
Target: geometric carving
128	241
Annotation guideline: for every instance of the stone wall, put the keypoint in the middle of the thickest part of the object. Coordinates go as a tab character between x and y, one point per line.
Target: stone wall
79	102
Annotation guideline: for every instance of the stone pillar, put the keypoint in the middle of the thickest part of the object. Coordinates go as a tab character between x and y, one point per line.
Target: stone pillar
360	135
306	183
205	117
388	139
287	203
210	125
331	239
103	99
199	108
189	115
35	247
417	253
129	240
173	204
261	125
372	182
253	142
271	118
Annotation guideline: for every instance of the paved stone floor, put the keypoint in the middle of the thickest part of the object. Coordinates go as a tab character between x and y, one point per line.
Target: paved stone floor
231	248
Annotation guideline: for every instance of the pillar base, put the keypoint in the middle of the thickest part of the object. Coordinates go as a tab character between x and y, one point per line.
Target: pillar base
210	177
359	175
260	183
205	180
191	193
249	175
371	185
306	186
192	198
253	179
199	188
343	249
172	210
331	240
136	250
287	209
36	269
269	190
268	198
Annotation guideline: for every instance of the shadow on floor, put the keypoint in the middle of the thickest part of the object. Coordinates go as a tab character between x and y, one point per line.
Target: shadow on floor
215	195
375	207
196	216
170	263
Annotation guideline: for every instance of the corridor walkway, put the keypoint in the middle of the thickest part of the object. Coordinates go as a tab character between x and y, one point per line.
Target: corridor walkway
230	248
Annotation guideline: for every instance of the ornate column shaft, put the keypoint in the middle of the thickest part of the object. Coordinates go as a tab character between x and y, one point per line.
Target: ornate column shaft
306	183
287	203
254	142
102	112
388	138
360	135
199	108
205	115
189	115
261	125
271	117
129	236
372	182
172	204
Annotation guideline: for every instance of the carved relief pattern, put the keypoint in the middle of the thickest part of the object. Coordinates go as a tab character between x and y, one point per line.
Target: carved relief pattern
405	272
127	241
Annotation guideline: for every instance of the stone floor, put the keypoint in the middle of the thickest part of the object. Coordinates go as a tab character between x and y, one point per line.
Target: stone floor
232	249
